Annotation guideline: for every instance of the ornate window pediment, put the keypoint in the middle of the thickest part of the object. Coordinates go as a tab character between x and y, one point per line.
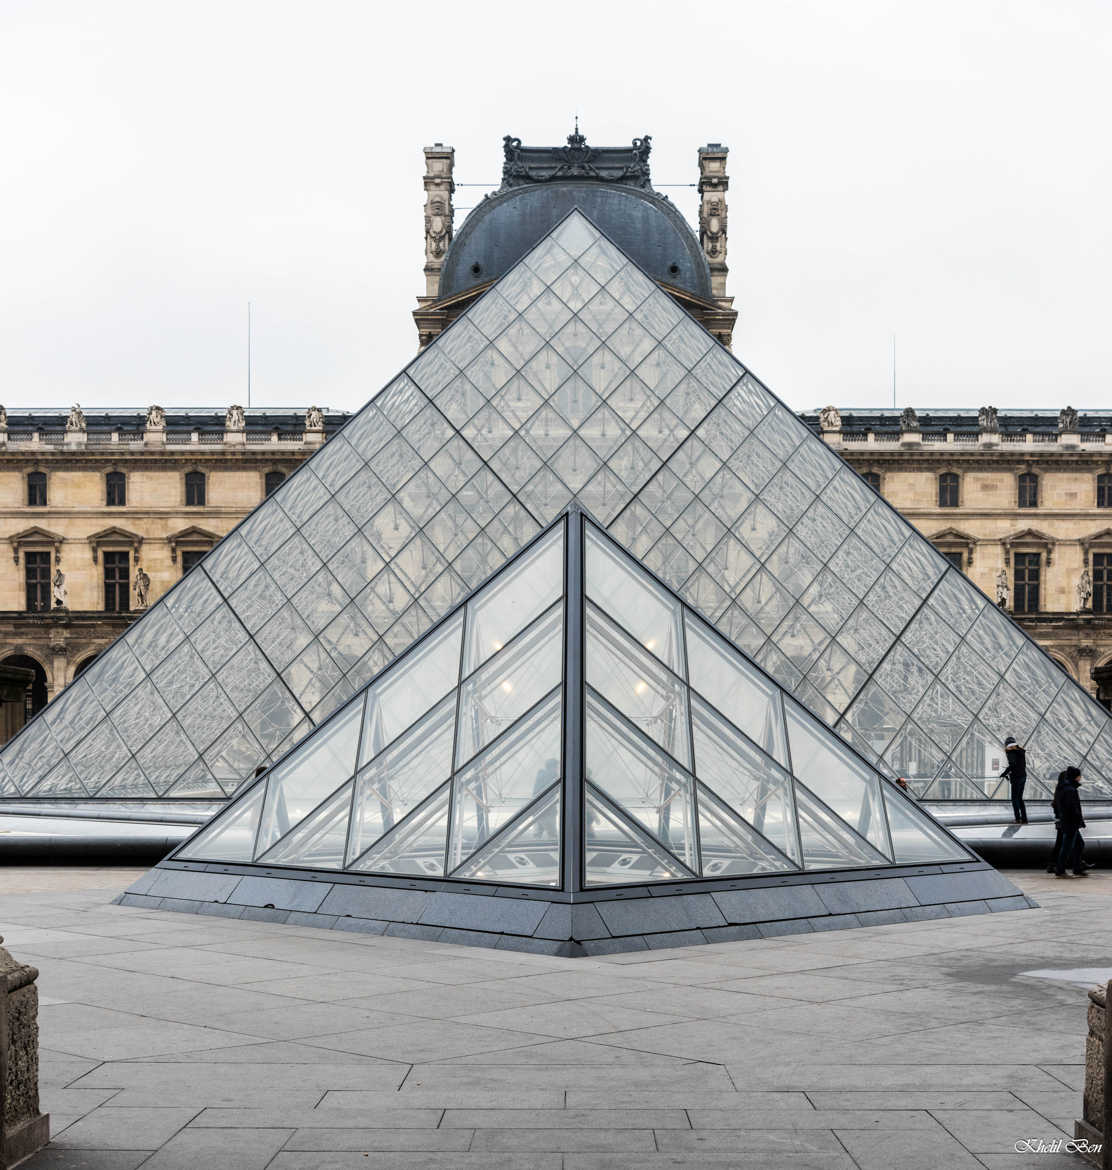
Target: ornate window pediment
191	538
1029	539
38	538
1101	540
115	537
954	540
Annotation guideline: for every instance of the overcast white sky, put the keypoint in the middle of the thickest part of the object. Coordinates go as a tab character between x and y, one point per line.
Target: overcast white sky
941	171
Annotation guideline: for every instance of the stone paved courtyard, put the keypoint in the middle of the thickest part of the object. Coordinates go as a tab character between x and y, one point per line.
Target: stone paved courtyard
183	1041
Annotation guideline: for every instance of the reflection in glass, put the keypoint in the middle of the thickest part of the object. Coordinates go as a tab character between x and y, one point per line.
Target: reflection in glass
829	843
500	782
300	783
416	846
526	852
728	846
318	842
640	781
748	699
836	776
616	854
652	698
510	602
914	838
508	684
232	836
404	694
399	778
635	601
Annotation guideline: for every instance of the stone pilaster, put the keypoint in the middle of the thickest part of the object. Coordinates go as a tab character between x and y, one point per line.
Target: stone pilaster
23	1127
713	184
439	187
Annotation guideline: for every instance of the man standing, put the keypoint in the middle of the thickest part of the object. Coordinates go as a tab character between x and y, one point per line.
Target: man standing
1069	813
1016	774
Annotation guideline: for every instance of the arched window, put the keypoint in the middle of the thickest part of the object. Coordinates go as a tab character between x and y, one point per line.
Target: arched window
36	489
1104	490
872	478
1028	490
948	490
115	488
274	479
195	489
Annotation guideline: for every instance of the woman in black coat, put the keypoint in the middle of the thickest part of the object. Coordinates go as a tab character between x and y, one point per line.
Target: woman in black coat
1016	774
1068	807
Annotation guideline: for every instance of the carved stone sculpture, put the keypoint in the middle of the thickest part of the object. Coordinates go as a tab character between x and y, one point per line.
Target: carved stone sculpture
830	419
1002	589
235	420
909	420
23	1128
1068	422
987	421
1084	591
314	419
156	418
76	420
3	418
142	588
59	589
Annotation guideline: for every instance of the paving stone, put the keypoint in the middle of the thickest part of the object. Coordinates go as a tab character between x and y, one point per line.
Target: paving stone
249	1149
906	1150
113	1128
56	1157
413	1161
376	1140
527	1140
606	1119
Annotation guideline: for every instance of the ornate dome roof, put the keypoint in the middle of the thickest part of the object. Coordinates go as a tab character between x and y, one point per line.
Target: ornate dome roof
610	185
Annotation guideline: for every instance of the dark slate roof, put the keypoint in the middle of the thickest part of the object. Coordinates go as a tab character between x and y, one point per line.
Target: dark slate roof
542	184
960	422
99	421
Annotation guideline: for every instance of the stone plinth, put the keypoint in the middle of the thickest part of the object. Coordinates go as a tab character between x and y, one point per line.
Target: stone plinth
1094	1119
23	1129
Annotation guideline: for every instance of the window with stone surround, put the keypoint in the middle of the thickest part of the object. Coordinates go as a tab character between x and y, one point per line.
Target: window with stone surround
948	490
36	489
1028	490
115	489
1028	574
274	480
116	581
872	478
37	580
1102	582
194	489
1104	490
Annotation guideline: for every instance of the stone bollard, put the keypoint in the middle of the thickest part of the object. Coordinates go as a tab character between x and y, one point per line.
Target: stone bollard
1094	1123
23	1129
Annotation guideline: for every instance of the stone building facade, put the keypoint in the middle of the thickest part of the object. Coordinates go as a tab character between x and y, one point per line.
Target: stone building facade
1021	501
103	511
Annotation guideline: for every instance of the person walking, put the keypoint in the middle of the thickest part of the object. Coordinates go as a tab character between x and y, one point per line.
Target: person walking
1068	801
1016	774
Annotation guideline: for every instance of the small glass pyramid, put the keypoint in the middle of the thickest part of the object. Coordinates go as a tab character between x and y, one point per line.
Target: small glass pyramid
572	724
575	378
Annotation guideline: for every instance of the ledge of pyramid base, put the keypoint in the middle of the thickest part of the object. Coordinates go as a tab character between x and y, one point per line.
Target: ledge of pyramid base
599	922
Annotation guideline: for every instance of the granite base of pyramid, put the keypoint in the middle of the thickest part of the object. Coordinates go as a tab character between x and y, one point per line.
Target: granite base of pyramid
595	923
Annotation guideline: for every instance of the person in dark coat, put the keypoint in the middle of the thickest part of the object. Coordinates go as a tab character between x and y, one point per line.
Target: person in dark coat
1016	774
1068	802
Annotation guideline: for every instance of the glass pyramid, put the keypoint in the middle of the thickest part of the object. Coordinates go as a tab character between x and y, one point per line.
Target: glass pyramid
574	378
533	738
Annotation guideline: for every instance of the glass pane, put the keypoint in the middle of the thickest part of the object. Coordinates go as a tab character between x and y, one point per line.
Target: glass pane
749	700
844	782
526	852
640	781
509	684
232	836
1075	716
652	698
634	600
615	854
318	842
398	779
318	768
499	783
915	837
730	847
404	694
417	845
914	756
751	784
828	843
510	602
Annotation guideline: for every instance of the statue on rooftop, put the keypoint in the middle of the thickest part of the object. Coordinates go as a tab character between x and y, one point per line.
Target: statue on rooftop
909	420
987	421
1068	422
156	418
3	418
830	419
314	419
235	419
76	420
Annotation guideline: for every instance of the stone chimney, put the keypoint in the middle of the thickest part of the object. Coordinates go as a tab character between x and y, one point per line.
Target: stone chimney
713	184
439	187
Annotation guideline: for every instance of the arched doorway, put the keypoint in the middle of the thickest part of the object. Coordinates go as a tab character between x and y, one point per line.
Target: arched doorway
84	665
35	696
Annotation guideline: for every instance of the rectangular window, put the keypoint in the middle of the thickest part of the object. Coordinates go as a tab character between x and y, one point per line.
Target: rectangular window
36	489
38	581
1029	490
948	490
115	483
1027	574
116	582
956	559
195	489
191	557
1102	582
1104	490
